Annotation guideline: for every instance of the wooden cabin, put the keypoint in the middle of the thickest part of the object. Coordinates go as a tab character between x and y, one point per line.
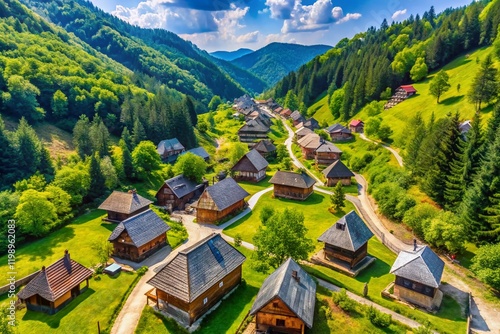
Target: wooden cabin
285	302
338	132
357	126
219	201
197	278
252	131
401	94
347	240
169	149
311	124
266	148
55	286
251	167
296	117
418	276
308	145
121	205
176	192
286	113
199	151
292	185
326	153
337	172
408	90
302	132
139	236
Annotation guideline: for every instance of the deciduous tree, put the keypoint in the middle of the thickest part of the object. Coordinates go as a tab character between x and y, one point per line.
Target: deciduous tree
35	213
439	84
191	166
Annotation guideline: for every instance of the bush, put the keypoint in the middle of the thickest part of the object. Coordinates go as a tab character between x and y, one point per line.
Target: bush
378	318
237	240
142	270
343	301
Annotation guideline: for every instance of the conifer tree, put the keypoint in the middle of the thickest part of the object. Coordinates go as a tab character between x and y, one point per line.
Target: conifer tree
128	167
81	137
138	133
485	87
127	138
338	197
29	148
189	104
96	188
473	151
8	158
99	136
417	132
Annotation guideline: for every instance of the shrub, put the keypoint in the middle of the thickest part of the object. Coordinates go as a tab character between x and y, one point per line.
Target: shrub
378	318
237	240
142	270
343	301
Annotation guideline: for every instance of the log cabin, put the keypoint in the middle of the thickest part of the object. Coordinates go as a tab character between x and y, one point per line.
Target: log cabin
285	302
302	132
197	278
251	167
253	130
337	172
311	123
308	145
356	126
121	205
169	149
176	192
338	132
418	276
296	117
292	185
219	201
286	113
326	153
347	240
139	236
55	286
266	148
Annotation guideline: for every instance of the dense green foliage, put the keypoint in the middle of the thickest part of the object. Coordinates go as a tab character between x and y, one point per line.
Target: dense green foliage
191	166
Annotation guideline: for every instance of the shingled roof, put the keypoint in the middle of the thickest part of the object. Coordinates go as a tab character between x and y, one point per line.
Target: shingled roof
297	180
301	132
181	185
311	141
225	193
299	295
311	123
166	145
251	162
337	128
142	228
199	151
265	146
422	266
296	116
349	232
57	279
337	170
254	126
326	146
197	268
124	202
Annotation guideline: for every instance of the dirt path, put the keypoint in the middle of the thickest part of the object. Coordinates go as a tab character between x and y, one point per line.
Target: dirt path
393	151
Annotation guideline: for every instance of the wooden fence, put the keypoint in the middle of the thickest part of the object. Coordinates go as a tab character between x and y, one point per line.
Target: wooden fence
20	282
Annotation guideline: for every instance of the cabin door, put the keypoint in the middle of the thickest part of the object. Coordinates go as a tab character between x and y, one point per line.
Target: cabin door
75	291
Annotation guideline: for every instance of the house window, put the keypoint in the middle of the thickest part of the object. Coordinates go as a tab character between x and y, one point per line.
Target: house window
406	283
280	323
221	284
275	305
205	300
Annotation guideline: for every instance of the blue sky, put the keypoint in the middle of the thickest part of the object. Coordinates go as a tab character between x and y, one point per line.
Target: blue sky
233	24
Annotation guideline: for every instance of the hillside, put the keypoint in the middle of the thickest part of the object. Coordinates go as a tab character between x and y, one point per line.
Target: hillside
275	60
231	55
153	52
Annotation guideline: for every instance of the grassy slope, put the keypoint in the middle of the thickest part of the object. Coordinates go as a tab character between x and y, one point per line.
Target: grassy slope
461	71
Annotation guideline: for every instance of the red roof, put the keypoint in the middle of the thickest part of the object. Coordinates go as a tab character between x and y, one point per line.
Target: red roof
409	89
356	122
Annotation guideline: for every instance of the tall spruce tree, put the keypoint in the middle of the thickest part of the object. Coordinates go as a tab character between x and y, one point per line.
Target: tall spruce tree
29	148
485	87
81	137
471	157
416	133
191	109
138	132
127	138
128	167
96	188
8	158
99	136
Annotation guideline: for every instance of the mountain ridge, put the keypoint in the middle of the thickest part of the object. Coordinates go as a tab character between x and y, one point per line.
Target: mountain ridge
231	55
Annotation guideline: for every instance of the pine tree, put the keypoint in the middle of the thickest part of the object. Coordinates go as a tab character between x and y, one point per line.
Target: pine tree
29	148
485	87
99	136
128	167
417	132
189	104
96	188
81	137
138	133
8	158
127	138
338	197
473	151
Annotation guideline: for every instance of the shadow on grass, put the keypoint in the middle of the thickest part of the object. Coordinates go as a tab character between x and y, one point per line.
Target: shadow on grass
48	243
450	309
378	268
54	320
311	200
109	226
452	100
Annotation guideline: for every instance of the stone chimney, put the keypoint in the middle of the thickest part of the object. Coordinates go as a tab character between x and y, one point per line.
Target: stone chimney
295	276
66	254
414	245
43	269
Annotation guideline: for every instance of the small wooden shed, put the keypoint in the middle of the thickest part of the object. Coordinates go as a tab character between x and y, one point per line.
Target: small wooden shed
338	132
224	198
357	126
169	149
139	236
56	285
121	205
326	153
292	185
176	192
197	278
285	302
251	167
337	172
266	148
347	240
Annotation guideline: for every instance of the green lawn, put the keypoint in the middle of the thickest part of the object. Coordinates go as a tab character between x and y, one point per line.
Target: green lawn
253	188
225	319
278	133
81	315
150	186
317	218
447	320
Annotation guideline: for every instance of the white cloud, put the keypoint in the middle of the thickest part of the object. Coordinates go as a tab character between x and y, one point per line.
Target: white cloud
281	9
251	37
398	13
348	17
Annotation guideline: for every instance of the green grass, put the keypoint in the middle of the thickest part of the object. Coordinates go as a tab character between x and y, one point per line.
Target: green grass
225	319
98	303
253	188
321	111
317	218
448	320
278	133
150	185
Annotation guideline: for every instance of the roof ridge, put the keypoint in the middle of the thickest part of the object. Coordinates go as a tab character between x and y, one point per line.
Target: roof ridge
200	242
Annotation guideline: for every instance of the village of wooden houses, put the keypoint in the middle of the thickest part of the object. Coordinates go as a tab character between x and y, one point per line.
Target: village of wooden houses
206	281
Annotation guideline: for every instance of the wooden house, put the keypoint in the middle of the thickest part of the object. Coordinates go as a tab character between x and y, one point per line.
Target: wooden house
401	94
302	132
121	205
139	236
296	117
408	90
252	131
251	167
356	126
310	124
339	132
418	276
266	148
285	302
169	149
292	185
217	202
55	286
199	151
465	127
326	153
337	172
278	110
286	113
176	192
347	240
308	145
197	278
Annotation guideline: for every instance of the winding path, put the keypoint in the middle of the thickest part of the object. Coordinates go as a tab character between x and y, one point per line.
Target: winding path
393	151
